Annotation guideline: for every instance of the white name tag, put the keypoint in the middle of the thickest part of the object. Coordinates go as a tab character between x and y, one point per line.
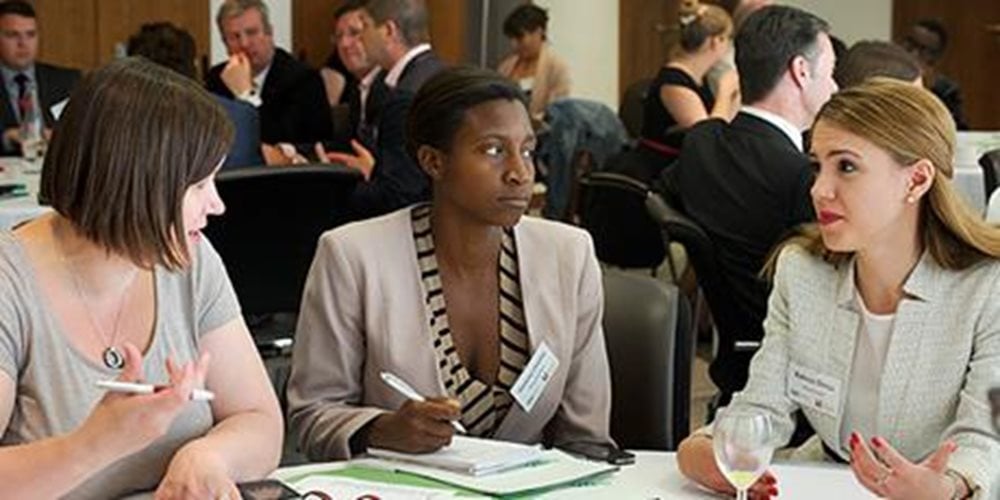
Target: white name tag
529	386
813	390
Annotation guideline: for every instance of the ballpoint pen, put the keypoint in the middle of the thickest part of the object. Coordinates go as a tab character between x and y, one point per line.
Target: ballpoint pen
403	388
135	388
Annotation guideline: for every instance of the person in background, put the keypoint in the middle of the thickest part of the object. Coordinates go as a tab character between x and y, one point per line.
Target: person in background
363	87
288	94
679	97
871	58
886	311
536	68
26	82
396	37
174	48
118	283
927	40
746	182
473	286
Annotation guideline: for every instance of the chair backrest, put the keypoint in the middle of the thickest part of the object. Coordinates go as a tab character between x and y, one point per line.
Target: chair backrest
722	303
647	329
268	234
631	108
615	215
990	163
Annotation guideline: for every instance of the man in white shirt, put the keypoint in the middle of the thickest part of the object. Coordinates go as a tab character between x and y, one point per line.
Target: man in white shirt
288	94
746	183
396	38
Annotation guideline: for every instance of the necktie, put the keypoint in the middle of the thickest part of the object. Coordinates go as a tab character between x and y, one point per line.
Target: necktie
23	96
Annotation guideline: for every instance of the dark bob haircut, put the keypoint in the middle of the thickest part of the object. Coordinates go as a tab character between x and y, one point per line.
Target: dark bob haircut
133	138
164	44
525	19
439	107
17	8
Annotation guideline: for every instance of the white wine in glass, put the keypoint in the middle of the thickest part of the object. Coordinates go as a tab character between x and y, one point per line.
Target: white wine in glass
743	444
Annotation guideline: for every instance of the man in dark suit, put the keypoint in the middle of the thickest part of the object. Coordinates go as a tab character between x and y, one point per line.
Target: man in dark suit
27	84
288	94
396	37
747	182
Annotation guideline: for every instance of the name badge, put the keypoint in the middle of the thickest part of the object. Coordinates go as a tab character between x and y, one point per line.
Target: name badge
813	390
529	386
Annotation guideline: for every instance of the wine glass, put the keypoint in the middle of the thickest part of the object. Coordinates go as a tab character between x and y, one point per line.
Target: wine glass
743	444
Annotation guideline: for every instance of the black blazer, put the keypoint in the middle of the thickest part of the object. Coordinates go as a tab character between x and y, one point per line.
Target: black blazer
397	180
293	102
54	83
245	150
747	185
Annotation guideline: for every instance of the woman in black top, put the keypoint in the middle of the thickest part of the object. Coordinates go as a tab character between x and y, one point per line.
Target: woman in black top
679	97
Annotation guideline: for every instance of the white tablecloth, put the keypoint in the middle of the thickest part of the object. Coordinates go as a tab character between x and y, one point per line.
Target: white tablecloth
15	210
655	475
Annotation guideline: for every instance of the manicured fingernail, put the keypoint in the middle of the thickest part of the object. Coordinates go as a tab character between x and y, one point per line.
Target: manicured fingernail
854	439
877	442
773	492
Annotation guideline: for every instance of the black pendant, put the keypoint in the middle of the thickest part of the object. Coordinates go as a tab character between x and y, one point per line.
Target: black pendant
113	358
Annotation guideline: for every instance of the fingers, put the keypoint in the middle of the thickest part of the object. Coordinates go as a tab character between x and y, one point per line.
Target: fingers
765	487
360	149
132	371
344	159
889	455
320	152
869	472
938	461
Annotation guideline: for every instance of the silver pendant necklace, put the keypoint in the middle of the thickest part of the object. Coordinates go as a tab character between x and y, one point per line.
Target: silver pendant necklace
111	356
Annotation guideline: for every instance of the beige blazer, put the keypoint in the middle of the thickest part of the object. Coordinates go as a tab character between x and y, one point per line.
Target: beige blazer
943	356
363	312
552	79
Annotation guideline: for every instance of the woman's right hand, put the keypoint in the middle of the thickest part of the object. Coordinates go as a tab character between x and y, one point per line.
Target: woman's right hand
126	423
696	460
417	427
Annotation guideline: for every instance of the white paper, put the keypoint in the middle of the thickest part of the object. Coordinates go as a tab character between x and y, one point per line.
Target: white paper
469	455
349	489
57	108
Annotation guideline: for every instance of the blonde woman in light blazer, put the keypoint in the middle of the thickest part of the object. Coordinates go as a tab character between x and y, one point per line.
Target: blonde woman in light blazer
889	313
453	297
532	64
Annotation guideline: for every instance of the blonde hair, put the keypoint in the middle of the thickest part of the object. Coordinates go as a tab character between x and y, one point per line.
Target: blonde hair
910	124
698	22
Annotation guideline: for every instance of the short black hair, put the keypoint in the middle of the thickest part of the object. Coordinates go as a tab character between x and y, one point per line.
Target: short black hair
166	45
17	7
525	19
439	107
766	43
936	27
347	7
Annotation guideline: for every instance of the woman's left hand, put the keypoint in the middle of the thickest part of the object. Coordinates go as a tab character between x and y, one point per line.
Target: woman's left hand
886	473
196	472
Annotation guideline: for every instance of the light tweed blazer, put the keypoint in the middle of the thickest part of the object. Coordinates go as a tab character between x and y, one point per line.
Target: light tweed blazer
943	357
363	312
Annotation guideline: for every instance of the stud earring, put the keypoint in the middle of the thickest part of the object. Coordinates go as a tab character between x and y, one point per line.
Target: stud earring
911	199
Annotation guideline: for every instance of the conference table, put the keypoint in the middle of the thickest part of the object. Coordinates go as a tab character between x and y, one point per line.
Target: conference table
653	476
21	206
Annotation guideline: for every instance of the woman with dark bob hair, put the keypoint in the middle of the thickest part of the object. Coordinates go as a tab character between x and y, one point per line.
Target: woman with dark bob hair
883	326
532	64
454	297
119	284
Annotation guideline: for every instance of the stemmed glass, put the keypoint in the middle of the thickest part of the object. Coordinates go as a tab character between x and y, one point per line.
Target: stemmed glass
743	443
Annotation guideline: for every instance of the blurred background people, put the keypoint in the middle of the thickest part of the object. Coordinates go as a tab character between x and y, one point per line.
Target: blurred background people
870	58
29	86
172	47
928	40
536	68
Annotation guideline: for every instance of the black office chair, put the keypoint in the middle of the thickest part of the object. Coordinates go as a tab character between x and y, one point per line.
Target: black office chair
990	163
614	212
268	234
630	111
647	330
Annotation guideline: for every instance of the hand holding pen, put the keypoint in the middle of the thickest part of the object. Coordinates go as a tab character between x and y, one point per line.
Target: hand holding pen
421	425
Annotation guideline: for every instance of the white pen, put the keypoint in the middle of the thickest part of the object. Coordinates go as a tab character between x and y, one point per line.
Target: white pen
403	388
135	388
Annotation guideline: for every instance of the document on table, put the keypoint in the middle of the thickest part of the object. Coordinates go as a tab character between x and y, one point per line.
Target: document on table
469	455
553	469
344	488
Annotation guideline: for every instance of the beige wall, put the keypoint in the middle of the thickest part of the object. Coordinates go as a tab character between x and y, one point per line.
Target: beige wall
852	20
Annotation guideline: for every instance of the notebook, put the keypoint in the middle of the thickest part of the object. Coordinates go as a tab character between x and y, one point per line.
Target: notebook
469	455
